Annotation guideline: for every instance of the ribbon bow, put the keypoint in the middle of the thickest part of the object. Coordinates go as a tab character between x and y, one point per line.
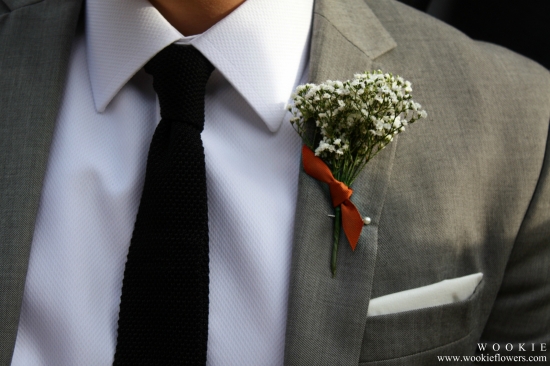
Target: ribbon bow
339	192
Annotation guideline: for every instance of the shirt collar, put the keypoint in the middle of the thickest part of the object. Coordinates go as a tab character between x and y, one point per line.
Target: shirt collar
261	48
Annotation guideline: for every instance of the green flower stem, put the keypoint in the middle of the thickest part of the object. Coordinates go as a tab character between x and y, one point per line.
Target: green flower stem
337	224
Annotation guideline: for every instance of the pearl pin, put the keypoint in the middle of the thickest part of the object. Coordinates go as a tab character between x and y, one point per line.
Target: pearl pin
366	220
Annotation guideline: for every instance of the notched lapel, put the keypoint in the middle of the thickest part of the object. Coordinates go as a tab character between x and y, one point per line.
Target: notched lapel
326	316
33	64
358	24
346	37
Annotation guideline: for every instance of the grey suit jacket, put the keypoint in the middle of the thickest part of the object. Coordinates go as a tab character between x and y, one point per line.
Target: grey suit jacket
465	191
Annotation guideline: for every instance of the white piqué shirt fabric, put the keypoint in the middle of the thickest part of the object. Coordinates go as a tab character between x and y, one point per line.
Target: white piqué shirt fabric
97	164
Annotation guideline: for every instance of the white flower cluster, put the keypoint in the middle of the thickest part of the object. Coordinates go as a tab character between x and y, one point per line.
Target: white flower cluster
354	119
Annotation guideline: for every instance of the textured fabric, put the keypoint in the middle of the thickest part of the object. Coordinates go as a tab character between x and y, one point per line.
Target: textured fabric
121	37
163	314
279	43
93	186
266	38
29	101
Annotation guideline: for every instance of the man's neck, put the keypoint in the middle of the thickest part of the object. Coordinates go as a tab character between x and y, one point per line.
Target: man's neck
192	17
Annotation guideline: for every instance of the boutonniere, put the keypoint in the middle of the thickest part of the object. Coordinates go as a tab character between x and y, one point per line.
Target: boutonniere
353	121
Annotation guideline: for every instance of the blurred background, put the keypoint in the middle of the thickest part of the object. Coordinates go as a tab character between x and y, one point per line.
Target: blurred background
522	26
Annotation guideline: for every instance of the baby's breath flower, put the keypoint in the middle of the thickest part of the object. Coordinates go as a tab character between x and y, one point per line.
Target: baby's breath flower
360	116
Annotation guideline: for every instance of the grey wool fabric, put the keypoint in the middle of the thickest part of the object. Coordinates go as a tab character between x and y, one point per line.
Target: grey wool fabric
466	190
35	44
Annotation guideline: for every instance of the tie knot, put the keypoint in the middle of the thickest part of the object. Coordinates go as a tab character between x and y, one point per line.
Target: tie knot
179	75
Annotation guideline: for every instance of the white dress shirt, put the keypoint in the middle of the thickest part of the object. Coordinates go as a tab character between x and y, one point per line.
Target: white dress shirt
97	163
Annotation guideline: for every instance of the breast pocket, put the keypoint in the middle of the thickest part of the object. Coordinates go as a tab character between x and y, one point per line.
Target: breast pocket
417	337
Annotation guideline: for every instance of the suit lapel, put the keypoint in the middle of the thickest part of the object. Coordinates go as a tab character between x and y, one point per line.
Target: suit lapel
35	39
326	316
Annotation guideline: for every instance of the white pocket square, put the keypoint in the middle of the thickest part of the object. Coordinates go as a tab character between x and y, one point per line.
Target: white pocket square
441	293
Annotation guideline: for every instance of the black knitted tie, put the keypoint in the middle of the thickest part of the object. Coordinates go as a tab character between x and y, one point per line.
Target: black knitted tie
163	317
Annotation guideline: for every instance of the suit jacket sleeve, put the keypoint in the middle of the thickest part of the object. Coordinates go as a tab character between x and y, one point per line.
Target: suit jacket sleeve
521	312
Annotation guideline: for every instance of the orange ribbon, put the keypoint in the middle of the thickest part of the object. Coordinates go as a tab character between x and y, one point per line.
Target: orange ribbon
339	192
